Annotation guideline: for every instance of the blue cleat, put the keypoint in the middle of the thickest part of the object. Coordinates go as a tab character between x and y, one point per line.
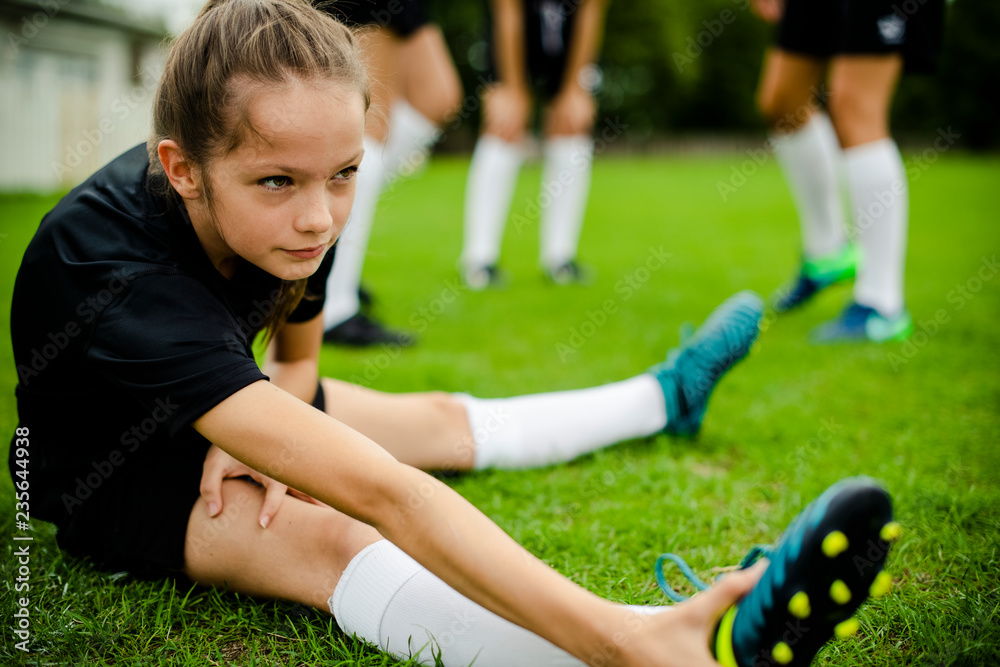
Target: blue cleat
692	370
863	323
816	275
827	563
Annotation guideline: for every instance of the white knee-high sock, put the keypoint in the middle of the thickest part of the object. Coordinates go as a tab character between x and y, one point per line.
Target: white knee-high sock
345	277
565	184
810	160
542	429
387	599
409	140
492	177
876	181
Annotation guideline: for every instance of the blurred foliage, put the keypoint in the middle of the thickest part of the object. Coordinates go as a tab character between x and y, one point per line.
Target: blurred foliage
676	66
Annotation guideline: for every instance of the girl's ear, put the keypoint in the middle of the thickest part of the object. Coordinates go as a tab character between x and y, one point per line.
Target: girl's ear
183	176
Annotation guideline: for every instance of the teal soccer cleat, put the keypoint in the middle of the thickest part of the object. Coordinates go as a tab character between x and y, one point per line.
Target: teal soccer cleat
827	563
692	370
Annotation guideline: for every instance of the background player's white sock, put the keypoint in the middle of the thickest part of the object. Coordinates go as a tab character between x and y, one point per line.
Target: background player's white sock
345	277
389	600
542	429
876	181
409	140
810	159
565	186
492	176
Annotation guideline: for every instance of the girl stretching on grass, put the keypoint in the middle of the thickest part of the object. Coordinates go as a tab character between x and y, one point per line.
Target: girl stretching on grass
146	411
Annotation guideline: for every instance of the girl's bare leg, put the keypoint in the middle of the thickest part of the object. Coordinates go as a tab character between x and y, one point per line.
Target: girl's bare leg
786	93
861	90
427	430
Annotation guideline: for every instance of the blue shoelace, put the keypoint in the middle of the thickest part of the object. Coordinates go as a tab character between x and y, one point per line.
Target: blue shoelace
755	553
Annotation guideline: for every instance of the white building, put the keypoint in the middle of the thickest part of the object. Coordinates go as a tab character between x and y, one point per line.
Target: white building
76	87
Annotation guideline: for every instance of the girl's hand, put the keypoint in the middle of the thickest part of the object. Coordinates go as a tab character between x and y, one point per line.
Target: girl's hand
681	636
769	10
219	466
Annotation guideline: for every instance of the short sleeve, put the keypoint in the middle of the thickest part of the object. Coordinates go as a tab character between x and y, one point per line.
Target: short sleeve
315	298
167	340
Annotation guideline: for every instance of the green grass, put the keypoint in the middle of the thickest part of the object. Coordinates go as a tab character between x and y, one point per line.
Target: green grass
922	417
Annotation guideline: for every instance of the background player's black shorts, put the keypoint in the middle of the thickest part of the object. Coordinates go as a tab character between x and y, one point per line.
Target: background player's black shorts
548	29
136	521
829	28
403	17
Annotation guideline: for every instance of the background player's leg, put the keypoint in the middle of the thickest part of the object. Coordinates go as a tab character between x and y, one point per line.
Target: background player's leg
489	190
315	555
430	96
565	186
382	53
808	151
861	94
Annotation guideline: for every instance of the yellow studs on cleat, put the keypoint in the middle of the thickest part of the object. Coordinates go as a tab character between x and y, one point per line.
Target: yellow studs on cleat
834	544
882	584
782	653
798	606
847	628
891	532
839	592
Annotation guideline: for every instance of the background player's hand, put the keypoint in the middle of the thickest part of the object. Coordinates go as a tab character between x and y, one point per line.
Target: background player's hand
506	110
571	112
219	466
769	10
681	636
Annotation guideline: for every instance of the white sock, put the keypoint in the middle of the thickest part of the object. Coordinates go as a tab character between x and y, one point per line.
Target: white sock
810	158
876	181
542	429
389	600
409	140
563	199
345	277
488	193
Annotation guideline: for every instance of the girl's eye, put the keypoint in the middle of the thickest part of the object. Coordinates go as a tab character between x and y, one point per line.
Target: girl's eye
274	182
346	174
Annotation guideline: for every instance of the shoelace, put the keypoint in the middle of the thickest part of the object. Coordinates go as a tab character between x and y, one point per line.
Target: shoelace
756	553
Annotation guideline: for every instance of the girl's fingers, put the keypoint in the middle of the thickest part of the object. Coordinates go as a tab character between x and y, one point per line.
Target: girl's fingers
272	500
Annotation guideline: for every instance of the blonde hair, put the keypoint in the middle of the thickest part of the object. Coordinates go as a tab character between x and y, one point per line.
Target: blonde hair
202	101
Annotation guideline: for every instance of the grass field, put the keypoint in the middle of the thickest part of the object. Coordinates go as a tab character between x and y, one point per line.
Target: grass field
922	417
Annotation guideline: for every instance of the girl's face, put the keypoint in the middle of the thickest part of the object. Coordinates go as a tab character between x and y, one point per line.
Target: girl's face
280	200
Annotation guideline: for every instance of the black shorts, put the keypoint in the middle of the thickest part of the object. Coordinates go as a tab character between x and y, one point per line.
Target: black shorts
913	28
137	522
548	29
403	17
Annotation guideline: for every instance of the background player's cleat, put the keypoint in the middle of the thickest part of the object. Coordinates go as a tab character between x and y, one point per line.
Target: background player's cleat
569	273
360	330
863	323
482	277
692	370
807	596
815	275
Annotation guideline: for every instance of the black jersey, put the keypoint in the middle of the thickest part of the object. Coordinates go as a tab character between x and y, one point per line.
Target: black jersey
124	333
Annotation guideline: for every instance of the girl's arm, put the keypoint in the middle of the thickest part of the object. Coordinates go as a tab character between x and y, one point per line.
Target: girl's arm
292	363
507	105
269	429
